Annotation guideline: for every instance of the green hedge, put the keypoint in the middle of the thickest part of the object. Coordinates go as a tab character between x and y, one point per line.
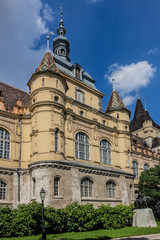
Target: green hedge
26	219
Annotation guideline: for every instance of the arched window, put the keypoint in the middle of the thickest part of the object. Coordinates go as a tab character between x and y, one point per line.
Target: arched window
56	186
135	169
111	189
4	144
86	188
105	152
56	140
2	190
82	146
146	166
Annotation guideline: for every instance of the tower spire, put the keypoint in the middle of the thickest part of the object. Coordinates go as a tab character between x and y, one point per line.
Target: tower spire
61	45
61	29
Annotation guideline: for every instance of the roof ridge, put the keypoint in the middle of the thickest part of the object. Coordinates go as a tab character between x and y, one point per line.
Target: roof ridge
14	87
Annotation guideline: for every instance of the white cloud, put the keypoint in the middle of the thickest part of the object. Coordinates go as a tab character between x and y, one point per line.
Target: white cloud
128	100
152	51
22	24
130	78
94	1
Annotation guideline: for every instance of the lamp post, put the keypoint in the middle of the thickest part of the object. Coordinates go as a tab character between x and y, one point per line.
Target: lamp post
42	195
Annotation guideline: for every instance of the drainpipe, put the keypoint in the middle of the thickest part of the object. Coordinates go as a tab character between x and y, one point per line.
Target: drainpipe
19	165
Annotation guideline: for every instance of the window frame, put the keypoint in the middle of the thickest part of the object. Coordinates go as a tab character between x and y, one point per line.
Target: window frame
111	189
105	152
56	186
3	190
135	169
86	187
82	148
5	144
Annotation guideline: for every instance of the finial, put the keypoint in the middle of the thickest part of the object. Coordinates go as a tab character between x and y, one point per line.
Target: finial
138	97
145	106
48	37
61	7
113	84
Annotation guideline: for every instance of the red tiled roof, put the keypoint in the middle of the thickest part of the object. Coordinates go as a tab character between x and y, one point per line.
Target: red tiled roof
11	95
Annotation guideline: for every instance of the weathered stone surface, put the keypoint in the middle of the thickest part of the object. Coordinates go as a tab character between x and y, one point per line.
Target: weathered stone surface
144	218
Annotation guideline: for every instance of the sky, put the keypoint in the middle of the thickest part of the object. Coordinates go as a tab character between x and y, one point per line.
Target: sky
110	39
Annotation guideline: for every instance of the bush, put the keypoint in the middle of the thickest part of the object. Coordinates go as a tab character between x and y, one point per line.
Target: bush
26	219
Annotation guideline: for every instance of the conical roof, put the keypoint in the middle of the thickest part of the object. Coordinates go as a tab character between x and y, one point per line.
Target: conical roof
47	64
116	103
140	115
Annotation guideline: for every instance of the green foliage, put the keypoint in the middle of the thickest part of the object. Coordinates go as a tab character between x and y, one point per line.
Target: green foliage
149	184
26	219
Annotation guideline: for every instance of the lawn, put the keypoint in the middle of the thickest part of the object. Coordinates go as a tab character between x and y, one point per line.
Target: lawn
98	234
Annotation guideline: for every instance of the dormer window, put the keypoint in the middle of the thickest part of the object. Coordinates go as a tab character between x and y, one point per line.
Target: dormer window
78	72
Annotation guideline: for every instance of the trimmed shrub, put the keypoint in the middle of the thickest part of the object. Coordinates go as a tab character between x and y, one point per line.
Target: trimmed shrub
26	219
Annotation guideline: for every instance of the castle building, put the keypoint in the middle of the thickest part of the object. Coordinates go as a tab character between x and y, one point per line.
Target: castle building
58	138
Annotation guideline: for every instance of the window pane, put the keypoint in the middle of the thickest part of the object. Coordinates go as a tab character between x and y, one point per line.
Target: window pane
105	152
2	190
4	144
82	146
86	188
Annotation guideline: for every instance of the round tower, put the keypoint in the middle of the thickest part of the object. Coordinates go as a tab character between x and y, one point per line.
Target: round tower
47	109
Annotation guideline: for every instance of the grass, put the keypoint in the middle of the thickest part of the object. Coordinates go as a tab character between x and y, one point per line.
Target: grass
98	234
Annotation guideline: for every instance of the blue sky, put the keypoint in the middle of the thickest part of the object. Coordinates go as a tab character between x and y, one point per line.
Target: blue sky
117	39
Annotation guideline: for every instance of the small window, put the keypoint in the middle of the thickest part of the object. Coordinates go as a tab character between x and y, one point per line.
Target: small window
82	146
56	186
56	98
86	188
111	189
105	152
56	140
117	115
135	169
104	122
81	113
34	187
78	72
42	81
2	190
62	51
146	166
56	83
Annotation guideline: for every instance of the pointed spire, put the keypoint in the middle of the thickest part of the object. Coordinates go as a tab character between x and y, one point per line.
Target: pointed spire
61	29
139	110
61	45
47	64
116	103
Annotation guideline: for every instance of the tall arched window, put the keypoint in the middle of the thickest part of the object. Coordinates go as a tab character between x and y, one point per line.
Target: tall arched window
82	146
146	166
4	144
2	190
111	189
105	152
56	140
86	188
135	169
56	186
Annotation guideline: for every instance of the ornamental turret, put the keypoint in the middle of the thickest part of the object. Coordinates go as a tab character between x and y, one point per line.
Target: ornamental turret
61	43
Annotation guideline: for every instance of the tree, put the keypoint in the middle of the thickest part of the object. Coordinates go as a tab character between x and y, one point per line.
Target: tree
149	185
